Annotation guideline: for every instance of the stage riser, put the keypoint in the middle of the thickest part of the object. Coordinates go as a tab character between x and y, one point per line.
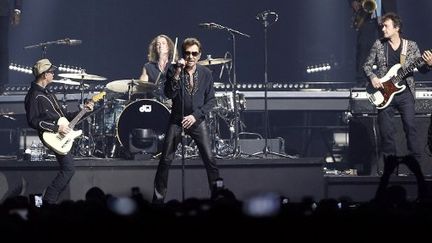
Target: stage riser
290	178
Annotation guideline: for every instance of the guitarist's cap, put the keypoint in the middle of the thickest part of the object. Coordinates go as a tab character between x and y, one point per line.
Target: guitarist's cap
43	66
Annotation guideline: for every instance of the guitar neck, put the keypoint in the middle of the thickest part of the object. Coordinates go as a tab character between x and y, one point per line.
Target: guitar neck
419	62
83	111
77	118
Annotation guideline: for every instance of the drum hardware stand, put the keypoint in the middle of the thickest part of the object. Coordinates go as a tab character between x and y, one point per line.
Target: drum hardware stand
233	34
89	137
102	109
130	89
263	16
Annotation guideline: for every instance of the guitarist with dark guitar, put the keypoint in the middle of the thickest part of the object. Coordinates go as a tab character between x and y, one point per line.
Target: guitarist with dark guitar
43	111
392	89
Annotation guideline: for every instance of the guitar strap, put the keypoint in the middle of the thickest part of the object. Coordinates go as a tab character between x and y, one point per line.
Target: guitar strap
404	51
54	99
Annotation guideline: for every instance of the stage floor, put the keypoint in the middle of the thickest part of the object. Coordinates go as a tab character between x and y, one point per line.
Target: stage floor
295	179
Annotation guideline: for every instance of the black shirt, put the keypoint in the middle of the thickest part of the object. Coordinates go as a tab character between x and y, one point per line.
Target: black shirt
43	109
393	56
198	101
157	77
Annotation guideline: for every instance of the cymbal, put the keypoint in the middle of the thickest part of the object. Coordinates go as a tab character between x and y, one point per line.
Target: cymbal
214	61
137	86
66	81
83	76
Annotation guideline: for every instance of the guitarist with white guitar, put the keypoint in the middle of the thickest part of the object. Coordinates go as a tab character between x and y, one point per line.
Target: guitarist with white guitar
392	89
43	111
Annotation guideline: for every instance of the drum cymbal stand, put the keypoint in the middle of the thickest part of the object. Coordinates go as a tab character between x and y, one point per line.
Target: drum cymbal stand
102	136
85	143
131	89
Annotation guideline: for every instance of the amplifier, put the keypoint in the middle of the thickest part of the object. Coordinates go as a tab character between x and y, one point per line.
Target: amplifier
359	103
251	146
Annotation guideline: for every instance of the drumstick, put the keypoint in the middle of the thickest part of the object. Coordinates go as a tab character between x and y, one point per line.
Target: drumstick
175	51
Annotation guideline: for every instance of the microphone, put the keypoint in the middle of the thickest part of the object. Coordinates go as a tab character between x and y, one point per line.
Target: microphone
210	25
205	25
263	15
70	42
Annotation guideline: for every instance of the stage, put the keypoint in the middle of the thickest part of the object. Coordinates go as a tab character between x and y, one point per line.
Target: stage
295	179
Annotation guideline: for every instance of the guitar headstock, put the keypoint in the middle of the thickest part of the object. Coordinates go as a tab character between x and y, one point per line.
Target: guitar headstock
98	97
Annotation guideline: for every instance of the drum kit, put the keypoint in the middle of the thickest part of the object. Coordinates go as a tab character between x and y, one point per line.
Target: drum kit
132	118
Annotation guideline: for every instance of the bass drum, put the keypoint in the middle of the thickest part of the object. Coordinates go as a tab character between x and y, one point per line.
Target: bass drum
141	125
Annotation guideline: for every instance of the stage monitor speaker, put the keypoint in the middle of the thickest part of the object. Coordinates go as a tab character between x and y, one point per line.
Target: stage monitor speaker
251	146
364	145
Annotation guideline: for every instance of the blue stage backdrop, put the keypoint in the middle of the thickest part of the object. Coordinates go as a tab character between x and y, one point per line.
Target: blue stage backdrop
115	35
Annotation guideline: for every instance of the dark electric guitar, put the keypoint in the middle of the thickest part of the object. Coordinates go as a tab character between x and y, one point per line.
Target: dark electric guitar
382	97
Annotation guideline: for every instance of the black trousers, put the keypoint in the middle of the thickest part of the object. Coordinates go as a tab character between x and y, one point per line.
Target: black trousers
404	103
201	137
60	182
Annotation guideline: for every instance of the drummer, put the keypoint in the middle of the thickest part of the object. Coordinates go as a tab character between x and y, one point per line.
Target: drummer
160	55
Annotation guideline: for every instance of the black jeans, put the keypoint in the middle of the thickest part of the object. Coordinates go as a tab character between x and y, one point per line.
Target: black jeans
404	103
60	182
201	137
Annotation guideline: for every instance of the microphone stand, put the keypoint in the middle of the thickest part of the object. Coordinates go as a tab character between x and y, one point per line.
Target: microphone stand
233	34
266	151
183	135
45	45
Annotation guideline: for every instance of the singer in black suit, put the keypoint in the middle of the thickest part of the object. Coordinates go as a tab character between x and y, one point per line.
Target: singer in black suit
10	13
190	87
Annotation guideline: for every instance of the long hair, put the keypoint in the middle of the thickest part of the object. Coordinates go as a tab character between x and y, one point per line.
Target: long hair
153	55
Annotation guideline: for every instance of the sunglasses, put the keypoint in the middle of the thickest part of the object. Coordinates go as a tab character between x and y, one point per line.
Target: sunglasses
194	53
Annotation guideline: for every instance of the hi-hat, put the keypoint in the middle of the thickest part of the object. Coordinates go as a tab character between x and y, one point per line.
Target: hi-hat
214	61
135	86
83	76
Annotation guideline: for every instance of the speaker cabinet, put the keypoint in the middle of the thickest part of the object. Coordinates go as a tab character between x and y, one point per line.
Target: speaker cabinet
251	146
364	152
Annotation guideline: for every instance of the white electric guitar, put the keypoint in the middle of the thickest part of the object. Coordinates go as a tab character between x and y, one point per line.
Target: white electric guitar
62	144
382	97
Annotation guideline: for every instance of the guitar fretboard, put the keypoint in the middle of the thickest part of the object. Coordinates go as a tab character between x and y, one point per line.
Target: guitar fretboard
403	72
